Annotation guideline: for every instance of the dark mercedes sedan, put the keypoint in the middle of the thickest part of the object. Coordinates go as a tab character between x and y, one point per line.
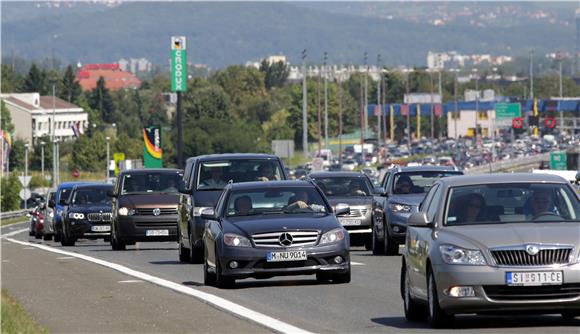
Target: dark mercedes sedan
266	229
87	214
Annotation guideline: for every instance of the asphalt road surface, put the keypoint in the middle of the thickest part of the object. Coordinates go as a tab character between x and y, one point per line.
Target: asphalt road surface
371	303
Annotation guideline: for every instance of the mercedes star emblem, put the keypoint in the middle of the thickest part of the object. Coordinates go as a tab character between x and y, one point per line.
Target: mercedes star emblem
156	212
286	239
532	249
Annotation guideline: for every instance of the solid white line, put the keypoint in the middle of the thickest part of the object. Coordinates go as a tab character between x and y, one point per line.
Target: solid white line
218	302
14	233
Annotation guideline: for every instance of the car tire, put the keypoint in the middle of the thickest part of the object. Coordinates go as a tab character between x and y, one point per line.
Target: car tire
57	237
183	253
116	244
436	316
30	233
369	243
570	315
209	279
377	245
221	281
341	278
390	246
47	237
195	253
37	235
413	310
66	240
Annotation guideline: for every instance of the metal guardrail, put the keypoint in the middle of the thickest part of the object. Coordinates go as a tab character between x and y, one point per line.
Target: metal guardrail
501	166
13	214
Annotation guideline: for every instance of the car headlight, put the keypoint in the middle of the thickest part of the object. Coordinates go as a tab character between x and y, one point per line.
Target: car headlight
403	208
126	211
235	240
456	255
197	210
76	215
332	236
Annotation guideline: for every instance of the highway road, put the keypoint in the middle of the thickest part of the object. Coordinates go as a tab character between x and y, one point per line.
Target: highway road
371	303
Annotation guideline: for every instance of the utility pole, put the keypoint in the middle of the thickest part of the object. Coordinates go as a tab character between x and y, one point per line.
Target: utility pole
440	102
431	109
561	95
318	104
42	160
339	87
325	101
532	74
383	109
476	104
380	107
361	107
26	172
408	110
107	169
53	133
365	111
304	113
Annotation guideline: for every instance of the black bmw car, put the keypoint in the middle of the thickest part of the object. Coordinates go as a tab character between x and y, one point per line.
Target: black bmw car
88	214
266	229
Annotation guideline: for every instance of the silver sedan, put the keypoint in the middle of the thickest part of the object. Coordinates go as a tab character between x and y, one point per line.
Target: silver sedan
495	243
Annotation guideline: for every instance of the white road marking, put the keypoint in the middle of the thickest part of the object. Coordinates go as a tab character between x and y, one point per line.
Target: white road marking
131	281
218	302
356	263
65	258
14	233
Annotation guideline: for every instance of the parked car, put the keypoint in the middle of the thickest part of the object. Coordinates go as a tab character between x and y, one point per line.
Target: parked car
87	214
275	228
145	206
404	189
356	190
204	180
493	243
48	212
62	194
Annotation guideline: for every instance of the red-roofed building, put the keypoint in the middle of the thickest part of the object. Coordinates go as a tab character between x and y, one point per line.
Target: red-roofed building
115	78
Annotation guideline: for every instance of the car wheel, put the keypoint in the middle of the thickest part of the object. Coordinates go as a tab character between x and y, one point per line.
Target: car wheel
183	253
390	246
569	315
47	237
37	235
208	278
30	233
413	310
221	281
341	278
57	237
377	245
195	253
66	240
437	317
116	244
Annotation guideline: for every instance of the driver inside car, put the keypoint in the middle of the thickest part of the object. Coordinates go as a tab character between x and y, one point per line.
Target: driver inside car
541	204
243	205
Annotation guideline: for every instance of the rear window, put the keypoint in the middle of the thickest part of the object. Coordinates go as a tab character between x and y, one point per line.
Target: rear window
344	186
418	182
154	182
97	196
214	175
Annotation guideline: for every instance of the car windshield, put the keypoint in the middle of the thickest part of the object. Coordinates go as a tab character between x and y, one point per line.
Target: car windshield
214	175
64	194
138	183
93	196
511	203
418	182
282	201
344	186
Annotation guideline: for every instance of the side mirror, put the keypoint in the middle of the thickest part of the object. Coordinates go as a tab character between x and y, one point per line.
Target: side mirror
342	209
182	189
419	219
208	214
111	193
380	191
51	204
62	201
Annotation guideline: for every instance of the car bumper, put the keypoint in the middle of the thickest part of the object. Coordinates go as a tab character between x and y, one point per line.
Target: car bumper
84	229
147	228
492	294
253	262
397	225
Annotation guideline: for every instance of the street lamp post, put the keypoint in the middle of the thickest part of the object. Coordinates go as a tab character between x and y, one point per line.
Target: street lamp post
380	107
26	173
561	95
42	160
325	101
407	74
431	109
476	103
53	132
304	113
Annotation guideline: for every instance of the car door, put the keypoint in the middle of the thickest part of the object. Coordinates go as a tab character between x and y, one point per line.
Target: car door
214	230
185	204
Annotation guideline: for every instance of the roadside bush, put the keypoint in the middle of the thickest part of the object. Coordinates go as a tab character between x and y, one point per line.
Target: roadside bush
37	182
9	193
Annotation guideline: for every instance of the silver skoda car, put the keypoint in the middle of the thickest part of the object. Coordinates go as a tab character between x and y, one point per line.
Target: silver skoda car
493	243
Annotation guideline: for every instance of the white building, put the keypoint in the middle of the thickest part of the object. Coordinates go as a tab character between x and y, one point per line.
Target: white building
32	116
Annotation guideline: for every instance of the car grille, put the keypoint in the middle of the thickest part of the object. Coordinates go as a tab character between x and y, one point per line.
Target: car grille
519	257
162	212
299	239
357	212
98	216
503	292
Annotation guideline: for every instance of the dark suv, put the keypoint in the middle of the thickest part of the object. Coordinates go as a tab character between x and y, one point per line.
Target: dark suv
404	189
204	179
87	214
145	206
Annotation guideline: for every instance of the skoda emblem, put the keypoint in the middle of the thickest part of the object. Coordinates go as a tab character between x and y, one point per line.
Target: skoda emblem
532	249
286	239
156	212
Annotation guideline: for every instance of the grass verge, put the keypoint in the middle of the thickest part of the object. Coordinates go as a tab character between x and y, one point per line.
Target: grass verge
15	319
11	221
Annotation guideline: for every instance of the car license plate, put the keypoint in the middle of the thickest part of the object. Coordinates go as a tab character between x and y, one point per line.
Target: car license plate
156	233
101	228
286	256
534	278
350	222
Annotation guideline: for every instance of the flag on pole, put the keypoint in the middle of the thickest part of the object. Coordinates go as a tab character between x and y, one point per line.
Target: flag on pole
404	109
77	129
392	123
438	110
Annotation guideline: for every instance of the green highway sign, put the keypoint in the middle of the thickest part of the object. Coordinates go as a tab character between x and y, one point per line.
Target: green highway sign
558	161
507	111
178	63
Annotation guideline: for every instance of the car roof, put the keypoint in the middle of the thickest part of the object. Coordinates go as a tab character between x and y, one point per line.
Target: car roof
466	180
269	184
151	170
234	156
337	174
94	185
70	184
402	169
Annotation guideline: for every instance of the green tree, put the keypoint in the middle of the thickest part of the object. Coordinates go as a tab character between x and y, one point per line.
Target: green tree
100	101
36	154
275	75
89	150
11	81
36	81
71	89
17	155
9	196
6	119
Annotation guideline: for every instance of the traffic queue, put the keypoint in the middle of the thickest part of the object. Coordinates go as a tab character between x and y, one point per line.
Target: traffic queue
471	244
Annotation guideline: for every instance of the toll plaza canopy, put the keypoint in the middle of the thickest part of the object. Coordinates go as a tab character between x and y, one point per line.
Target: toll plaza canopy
544	106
